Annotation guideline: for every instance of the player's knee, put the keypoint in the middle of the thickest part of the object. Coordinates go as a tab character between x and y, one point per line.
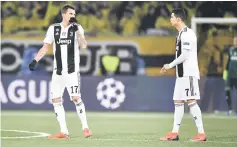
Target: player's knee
191	101
57	102
76	99
178	101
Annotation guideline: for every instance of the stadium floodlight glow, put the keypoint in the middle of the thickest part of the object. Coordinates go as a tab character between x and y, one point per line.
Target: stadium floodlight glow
210	20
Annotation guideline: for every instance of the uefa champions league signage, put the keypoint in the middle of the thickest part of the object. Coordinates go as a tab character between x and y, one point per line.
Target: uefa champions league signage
110	93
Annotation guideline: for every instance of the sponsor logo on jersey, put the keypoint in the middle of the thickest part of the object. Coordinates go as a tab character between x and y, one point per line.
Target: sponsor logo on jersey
64	41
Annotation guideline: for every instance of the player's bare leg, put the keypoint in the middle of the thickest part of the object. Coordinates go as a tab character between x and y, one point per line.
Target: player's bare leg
60	114
197	116
178	115
80	107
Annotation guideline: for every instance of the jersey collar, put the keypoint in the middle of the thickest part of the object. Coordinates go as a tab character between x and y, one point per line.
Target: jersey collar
64	27
183	28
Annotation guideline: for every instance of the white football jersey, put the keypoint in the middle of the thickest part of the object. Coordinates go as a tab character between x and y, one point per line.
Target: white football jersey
187	40
65	48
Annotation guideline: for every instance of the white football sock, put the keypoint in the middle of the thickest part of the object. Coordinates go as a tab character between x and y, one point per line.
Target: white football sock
197	116
81	112
178	115
60	114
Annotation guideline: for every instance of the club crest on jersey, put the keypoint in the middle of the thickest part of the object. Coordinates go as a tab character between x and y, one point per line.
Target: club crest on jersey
64	41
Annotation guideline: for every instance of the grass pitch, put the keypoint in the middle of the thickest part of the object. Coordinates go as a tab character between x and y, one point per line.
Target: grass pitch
113	129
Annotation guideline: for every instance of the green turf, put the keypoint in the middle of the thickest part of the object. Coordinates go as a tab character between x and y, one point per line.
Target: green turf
13	134
116	130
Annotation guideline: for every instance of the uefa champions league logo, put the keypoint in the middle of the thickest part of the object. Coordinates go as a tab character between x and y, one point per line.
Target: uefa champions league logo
110	93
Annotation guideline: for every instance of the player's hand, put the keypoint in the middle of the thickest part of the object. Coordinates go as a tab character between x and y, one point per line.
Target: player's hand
73	21
32	65
164	68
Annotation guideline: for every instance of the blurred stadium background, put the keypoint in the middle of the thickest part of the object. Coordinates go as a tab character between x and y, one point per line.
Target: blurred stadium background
140	34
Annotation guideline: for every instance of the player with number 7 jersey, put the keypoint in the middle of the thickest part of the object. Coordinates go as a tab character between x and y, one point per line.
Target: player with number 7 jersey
187	76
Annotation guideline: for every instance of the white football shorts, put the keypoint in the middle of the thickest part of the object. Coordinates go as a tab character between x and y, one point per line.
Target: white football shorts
186	88
70	81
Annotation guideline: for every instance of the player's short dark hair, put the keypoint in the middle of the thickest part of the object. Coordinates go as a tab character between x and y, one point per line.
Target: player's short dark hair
180	13
66	7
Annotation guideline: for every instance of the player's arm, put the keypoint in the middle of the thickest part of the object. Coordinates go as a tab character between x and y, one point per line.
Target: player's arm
186	41
81	38
42	52
184	56
47	41
185	47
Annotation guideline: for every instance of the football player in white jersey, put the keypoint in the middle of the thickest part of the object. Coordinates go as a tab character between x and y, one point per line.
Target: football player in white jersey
66	37
187	76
